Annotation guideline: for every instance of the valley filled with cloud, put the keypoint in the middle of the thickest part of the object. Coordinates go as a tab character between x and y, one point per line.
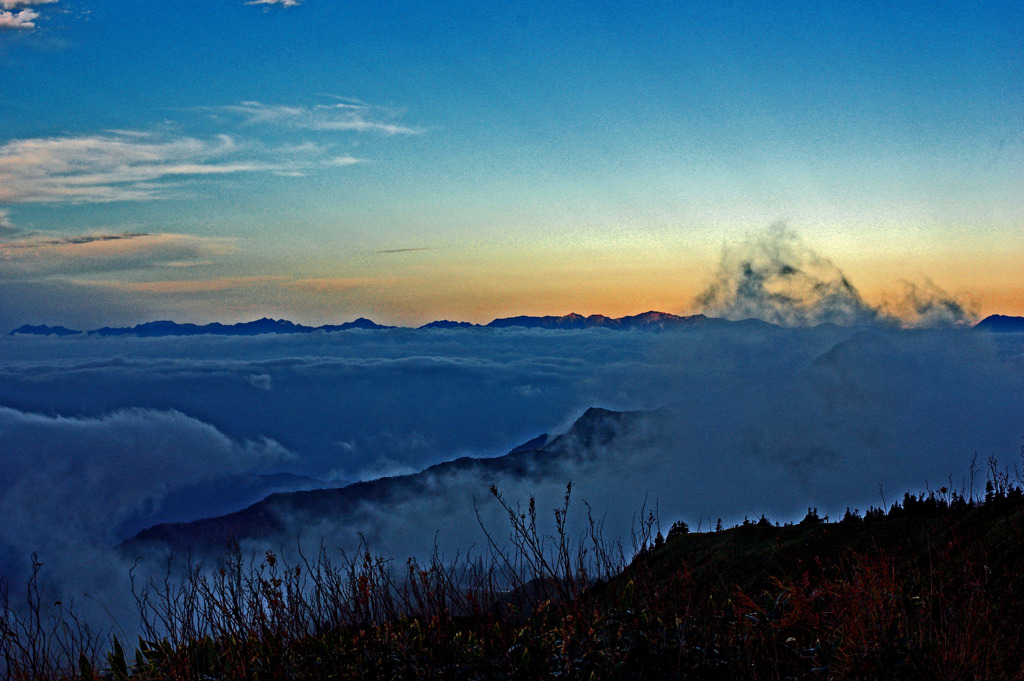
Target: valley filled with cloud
106	436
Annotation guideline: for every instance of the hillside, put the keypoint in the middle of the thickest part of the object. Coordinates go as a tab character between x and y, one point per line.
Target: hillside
542	456
998	323
930	590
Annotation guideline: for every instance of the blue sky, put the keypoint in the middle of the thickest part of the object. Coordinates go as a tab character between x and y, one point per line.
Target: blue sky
322	160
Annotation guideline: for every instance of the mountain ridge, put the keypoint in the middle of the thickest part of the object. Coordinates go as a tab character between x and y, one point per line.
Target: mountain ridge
645	321
650	320
536	457
998	323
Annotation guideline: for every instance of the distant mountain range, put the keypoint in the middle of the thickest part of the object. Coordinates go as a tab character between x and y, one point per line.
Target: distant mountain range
653	321
222	495
44	330
168	328
647	321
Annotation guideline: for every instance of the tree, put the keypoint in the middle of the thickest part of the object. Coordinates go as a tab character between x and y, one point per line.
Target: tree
812	517
678	529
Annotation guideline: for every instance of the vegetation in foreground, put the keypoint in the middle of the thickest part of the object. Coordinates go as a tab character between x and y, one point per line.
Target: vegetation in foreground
932	587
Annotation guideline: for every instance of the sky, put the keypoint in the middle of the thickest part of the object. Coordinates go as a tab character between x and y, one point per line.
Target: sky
321	160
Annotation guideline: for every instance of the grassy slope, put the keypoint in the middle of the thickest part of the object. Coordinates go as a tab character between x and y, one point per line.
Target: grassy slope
750	555
913	595
920	594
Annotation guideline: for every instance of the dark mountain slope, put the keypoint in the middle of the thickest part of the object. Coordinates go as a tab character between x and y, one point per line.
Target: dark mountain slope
44	330
538	458
998	323
647	321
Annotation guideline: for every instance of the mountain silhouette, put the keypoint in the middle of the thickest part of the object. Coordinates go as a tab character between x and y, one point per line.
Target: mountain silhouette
998	323
44	330
647	321
542	456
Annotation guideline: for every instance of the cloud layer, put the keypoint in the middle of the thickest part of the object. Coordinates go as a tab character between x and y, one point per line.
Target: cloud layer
70	485
755	421
96	432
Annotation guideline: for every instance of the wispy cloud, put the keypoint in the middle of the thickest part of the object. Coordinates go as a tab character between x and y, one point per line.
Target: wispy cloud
15	4
179	286
340	116
282	3
322	285
133	165
75	240
405	250
773	276
116	166
335	284
32	255
927	304
15	16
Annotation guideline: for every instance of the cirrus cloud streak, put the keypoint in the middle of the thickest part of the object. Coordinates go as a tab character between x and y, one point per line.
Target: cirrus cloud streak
36	254
179	286
282	3
116	166
338	117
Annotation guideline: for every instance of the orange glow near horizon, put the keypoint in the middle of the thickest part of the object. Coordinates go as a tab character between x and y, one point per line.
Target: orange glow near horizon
614	279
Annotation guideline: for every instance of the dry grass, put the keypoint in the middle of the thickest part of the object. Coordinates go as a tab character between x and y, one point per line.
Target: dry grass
930	589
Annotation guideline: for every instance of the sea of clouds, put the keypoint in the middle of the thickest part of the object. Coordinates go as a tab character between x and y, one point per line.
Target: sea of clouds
100	437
